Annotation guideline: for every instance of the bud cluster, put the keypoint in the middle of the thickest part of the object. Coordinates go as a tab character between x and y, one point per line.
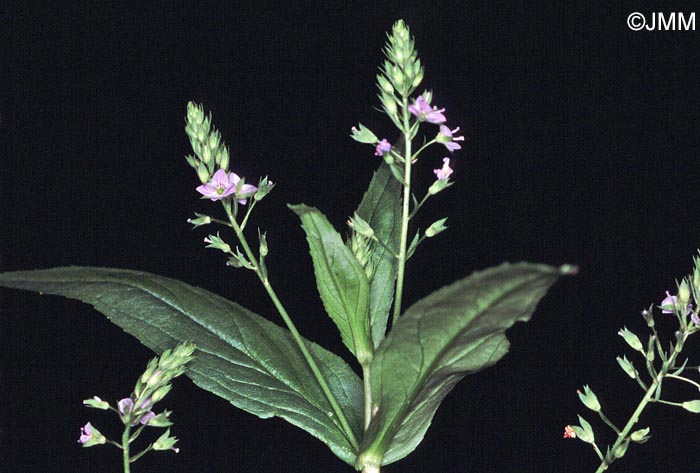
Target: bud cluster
135	410
210	152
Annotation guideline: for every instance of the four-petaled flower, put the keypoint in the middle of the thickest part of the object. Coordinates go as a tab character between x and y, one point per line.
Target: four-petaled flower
223	184
569	432
383	147
444	172
425	113
447	138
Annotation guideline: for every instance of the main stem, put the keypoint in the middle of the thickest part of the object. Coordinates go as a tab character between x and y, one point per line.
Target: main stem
125	448
405	213
295	334
622	437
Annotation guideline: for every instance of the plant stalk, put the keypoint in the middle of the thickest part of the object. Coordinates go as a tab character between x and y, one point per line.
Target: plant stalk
125	448
634	418
340	415
405	213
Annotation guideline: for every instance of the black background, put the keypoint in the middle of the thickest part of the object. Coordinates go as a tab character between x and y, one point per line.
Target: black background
583	149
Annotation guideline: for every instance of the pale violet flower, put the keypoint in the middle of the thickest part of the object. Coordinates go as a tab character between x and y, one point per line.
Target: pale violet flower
224	184
444	172
90	436
425	113
383	147
669	304
447	138
126	406
221	185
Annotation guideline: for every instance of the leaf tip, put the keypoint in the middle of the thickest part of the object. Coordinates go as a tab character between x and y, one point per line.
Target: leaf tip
568	270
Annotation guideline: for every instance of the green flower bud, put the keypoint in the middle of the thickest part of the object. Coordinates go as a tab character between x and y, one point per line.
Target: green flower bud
263	244
584	431
692	406
200	220
97	403
384	84
589	399
166	442
389	103
436	227
621	449
364	135
161	420
203	173
683	294
627	366
640	436
160	393
360	226
214	241
222	157
631	339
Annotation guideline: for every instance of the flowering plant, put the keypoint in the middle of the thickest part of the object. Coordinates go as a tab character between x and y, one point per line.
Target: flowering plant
685	308
409	358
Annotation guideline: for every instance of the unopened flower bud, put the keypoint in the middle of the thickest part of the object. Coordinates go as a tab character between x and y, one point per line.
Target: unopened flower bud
436	227
202	173
584	431
359	225
263	244
161	392
627	366
363	135
589	399
640	436
384	84
631	339
222	158
166	442
161	420
97	403
692	406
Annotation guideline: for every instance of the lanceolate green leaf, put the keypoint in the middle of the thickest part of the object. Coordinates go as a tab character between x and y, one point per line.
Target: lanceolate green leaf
340	279
381	208
240	356
455	331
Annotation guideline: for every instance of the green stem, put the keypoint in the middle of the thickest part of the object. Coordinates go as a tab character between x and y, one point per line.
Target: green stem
345	425
656	382
366	372
125	448
405	213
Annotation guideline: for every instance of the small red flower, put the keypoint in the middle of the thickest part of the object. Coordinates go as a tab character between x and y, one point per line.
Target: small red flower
569	432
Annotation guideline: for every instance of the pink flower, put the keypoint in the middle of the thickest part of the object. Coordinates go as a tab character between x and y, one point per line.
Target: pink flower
425	113
223	184
446	138
444	172
126	406
90	436
383	147
569	432
85	433
669	304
